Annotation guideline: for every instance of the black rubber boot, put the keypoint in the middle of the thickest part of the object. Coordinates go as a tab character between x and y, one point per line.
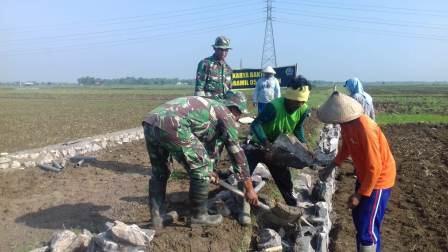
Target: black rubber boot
157	191
244	208
198	199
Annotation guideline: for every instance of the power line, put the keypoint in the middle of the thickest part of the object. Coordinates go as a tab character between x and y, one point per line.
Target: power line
135	40
138	29
120	20
371	8
358	20
364	30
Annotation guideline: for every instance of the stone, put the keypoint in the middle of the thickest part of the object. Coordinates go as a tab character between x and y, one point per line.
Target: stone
126	140
270	240
95	147
82	241
4	166
42	249
262	171
126	234
102	242
322	242
15	165
303	244
29	164
299	156
34	155
4	160
3	154
61	241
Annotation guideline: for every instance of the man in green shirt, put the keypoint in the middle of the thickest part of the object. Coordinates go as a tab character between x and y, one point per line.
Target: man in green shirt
284	115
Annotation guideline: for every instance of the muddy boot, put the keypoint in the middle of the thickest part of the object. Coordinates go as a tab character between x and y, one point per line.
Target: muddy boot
244	209
198	199
157	191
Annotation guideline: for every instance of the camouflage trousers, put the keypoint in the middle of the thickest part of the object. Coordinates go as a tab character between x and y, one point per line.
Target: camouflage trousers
188	150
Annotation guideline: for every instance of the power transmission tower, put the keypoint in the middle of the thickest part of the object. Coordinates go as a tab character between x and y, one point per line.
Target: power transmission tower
268	57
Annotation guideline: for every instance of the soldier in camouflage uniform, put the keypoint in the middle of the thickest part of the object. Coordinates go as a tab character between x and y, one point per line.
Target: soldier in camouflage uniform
214	76
191	129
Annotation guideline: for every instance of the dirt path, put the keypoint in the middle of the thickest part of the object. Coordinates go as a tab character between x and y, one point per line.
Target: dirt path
36	203
417	215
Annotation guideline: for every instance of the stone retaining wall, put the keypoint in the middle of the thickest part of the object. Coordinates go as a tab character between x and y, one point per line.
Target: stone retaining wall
60	153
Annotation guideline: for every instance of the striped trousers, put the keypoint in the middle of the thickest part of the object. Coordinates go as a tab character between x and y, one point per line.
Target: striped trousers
368	216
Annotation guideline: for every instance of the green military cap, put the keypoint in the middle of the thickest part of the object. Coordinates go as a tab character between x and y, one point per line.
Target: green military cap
237	99
222	42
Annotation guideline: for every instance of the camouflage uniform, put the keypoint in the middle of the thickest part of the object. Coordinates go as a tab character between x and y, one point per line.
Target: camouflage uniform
214	77
191	129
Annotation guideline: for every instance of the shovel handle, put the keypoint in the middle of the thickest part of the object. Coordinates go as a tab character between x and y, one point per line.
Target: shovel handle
241	194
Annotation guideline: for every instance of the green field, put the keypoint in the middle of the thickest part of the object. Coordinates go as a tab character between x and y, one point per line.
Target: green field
36	117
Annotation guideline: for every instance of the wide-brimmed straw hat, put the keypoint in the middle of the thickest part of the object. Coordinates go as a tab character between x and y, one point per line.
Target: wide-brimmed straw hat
339	108
269	70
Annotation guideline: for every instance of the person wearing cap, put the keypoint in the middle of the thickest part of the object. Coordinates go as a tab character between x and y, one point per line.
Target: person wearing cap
284	115
356	90
214	75
191	129
363	140
266	89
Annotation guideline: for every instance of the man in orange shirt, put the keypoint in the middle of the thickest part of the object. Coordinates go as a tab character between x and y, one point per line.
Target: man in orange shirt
374	164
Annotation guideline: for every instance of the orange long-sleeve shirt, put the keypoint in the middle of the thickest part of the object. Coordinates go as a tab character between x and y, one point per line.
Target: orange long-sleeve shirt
364	141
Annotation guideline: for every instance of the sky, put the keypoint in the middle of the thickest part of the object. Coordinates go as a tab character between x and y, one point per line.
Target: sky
374	40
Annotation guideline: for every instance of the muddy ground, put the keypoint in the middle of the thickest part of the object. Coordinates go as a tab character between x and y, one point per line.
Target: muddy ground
35	203
417	215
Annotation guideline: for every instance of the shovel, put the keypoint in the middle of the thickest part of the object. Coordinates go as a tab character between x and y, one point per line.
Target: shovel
241	194
278	211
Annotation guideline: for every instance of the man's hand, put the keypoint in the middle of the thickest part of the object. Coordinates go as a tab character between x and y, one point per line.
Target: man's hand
214	178
326	172
250	194
267	145
353	200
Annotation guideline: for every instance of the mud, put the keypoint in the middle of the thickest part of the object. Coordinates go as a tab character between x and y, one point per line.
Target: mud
35	203
417	215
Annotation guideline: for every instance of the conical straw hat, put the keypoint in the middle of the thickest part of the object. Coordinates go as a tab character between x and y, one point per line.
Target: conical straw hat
339	108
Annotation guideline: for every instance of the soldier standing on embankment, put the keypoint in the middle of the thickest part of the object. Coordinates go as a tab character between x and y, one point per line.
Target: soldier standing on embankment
214	75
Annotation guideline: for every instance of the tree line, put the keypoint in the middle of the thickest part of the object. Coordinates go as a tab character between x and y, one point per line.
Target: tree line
87	80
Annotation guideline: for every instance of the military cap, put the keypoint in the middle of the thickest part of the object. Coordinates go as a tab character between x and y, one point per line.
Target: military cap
237	99
222	43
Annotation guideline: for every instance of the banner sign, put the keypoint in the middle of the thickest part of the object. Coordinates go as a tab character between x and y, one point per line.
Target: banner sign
247	78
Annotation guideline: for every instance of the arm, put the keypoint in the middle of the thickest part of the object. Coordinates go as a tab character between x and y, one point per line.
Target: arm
299	131
201	78
255	94
266	116
277	92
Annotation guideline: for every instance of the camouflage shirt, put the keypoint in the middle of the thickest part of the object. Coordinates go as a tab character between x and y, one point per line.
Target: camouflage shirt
213	78
207	120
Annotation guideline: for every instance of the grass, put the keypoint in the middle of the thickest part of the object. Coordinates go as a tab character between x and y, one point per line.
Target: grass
39	117
36	117
411	118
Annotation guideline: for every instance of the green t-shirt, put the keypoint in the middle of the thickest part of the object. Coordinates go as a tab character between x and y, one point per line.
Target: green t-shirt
275	120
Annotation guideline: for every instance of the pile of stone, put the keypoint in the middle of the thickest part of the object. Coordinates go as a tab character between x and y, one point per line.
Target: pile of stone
61	153
311	231
119	237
